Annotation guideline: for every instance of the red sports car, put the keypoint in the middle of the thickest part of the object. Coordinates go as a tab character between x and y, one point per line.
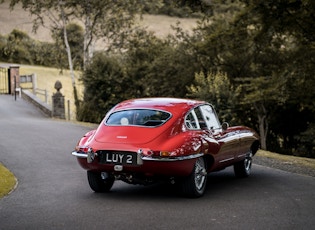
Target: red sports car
142	141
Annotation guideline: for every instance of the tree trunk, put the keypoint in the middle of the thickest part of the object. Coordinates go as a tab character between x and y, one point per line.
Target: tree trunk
88	37
263	124
87	52
64	24
262	132
65	35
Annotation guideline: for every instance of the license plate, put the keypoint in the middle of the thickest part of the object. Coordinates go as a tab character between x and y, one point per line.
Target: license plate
122	158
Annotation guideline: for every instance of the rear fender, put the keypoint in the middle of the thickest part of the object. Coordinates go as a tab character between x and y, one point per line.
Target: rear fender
183	144
255	146
86	138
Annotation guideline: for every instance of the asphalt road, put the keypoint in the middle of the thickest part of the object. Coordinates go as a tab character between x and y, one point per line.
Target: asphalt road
53	192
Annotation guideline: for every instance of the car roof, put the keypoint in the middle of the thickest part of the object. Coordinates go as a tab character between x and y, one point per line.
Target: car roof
172	105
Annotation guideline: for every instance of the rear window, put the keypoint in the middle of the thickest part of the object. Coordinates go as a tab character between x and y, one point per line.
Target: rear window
138	117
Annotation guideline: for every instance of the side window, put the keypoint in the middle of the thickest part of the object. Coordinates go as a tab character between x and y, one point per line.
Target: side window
210	117
201	120
191	121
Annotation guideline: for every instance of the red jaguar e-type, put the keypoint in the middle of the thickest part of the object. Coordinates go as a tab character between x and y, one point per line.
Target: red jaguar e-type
142	141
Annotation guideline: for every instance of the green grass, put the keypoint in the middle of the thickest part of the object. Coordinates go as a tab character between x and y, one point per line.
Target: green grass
46	78
7	181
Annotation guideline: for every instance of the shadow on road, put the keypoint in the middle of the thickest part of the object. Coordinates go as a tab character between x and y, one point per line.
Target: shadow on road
217	185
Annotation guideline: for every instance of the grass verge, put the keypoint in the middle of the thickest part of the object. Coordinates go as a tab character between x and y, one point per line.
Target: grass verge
7	181
290	160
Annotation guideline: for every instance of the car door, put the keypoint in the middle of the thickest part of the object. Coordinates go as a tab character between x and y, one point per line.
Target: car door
228	141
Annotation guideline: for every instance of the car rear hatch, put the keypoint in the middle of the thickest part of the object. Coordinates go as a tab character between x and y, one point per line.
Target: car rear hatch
128	135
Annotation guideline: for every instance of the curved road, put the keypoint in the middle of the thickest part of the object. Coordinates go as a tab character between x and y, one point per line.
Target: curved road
53	191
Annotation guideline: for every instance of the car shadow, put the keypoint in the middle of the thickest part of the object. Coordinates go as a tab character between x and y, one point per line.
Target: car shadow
218	183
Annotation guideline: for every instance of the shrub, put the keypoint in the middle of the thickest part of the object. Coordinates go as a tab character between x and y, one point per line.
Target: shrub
105	85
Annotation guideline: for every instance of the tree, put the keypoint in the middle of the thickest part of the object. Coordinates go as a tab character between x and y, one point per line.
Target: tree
231	42
75	39
188	5
18	47
102	19
106	19
263	94
59	20
216	88
267	47
106	84
290	23
159	67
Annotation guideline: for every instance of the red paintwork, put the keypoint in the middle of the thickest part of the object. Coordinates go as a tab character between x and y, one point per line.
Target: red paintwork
221	148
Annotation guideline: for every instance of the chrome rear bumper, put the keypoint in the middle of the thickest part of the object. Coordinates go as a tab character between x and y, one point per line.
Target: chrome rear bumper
145	158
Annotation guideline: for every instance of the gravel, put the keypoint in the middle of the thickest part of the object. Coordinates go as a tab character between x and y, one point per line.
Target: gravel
284	165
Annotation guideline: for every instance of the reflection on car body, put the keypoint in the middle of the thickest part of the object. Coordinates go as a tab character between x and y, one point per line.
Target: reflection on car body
142	141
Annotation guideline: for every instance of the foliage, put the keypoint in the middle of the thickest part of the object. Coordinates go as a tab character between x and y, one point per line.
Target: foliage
184	8
3	44
289	25
105	85
110	21
107	20
44	54
158	67
75	38
266	47
18	47
262	94
217	89
306	146
149	67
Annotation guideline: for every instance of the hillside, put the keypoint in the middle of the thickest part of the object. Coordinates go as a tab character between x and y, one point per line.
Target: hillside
21	20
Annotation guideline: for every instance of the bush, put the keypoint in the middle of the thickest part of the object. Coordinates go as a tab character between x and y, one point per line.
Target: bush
158	67
18	47
105	85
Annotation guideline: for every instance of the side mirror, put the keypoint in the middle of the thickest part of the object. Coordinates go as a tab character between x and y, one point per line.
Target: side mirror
225	126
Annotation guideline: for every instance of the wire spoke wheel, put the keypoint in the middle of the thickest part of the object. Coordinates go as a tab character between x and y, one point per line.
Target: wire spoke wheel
243	168
248	162
195	184
200	173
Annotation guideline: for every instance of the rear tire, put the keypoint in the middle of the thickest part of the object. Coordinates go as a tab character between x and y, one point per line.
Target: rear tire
100	182
243	168
195	184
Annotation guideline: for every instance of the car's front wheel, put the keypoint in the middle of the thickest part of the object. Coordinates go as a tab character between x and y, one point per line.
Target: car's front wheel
100	181
195	184
243	168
